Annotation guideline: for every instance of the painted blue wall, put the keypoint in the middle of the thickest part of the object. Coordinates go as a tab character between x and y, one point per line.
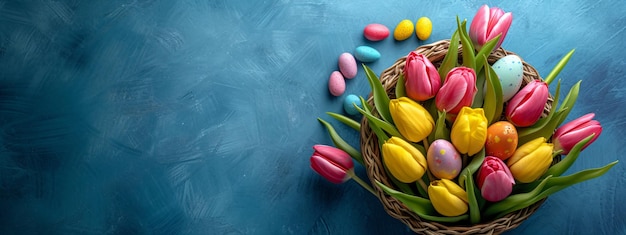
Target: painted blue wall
198	117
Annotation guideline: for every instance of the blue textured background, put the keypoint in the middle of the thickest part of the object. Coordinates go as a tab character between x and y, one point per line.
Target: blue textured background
198	117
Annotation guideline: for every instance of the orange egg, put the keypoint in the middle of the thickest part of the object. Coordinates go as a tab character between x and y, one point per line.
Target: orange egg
501	140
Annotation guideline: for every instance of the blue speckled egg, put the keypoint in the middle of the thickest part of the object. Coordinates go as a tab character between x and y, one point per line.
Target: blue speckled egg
510	71
347	104
366	54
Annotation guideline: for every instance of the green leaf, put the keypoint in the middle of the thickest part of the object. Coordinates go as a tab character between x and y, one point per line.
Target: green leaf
555	184
441	129
559	66
479	97
346	120
472	167
381	100
400	89
568	102
485	51
379	123
468	49
451	58
559	168
474	210
342	144
493	98
366	106
421	206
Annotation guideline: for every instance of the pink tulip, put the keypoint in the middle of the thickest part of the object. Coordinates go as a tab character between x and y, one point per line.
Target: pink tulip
568	135
331	163
495	179
422	78
457	91
488	24
526	107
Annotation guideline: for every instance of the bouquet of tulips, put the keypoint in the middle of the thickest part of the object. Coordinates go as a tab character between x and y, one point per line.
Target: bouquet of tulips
458	143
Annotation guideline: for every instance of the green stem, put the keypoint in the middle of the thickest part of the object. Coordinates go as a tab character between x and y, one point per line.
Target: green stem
360	181
423	185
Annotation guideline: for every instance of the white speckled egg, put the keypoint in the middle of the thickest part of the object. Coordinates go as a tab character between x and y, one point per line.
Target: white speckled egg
510	70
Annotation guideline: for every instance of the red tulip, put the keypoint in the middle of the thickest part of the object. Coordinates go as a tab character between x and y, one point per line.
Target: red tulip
526	107
331	163
488	24
422	78
457	91
495	179
568	135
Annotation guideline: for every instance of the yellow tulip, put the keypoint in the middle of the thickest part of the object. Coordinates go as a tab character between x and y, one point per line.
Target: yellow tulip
412	120
531	160
404	161
469	131
448	198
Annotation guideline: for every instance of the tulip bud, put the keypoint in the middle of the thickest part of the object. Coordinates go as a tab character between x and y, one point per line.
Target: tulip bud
422	78
412	120
531	160
331	163
448	198
404	161
457	91
443	160
568	135
526	107
488	24
495	179
469	131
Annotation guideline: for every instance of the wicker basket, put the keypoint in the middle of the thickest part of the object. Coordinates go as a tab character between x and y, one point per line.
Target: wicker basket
375	170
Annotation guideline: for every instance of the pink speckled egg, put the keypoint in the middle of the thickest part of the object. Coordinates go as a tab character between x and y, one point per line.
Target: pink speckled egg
444	161
375	32
336	83
347	65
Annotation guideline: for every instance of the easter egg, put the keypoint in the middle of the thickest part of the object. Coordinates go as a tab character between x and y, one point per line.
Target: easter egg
501	140
366	54
423	28
444	161
336	83
375	32
348	104
347	65
403	30
510	71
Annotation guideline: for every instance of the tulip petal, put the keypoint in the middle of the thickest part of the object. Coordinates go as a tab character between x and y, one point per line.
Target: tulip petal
480	25
525	149
445	201
530	167
401	164
332	172
496	186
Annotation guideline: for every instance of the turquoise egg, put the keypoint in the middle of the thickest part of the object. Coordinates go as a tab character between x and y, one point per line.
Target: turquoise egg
510	71
347	104
366	54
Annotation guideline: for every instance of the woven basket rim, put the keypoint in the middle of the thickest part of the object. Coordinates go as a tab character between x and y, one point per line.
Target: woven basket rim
371	155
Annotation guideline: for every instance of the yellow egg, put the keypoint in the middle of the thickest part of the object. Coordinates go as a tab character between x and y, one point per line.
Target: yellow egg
403	30
423	28
501	140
